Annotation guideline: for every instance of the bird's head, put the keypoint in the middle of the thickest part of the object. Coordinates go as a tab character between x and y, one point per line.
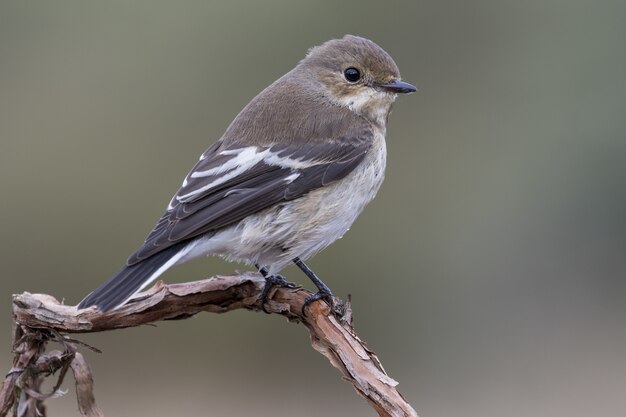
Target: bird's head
356	73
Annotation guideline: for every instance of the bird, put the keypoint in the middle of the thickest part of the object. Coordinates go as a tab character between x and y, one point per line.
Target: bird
288	177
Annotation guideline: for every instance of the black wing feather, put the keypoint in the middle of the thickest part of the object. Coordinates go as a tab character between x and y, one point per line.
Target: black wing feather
252	191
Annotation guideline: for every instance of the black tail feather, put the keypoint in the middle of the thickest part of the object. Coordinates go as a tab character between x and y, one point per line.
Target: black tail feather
127	281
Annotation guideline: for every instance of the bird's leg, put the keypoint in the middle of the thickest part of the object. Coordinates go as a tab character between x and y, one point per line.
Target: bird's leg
262	270
271	281
323	292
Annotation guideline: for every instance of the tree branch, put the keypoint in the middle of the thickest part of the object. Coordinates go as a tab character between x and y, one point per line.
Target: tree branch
40	318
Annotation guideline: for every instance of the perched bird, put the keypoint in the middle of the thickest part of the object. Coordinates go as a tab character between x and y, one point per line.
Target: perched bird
288	177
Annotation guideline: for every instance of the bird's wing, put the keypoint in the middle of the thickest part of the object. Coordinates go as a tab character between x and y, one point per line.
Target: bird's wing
231	183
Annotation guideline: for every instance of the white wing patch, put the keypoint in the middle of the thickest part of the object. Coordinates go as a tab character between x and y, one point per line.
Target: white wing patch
286	162
243	160
292	178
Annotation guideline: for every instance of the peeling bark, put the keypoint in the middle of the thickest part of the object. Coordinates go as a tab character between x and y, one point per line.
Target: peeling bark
40	319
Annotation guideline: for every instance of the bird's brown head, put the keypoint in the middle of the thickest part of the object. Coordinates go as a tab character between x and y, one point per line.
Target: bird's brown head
356	73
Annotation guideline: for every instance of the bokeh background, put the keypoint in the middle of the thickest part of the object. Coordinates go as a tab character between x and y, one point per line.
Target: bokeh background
489	274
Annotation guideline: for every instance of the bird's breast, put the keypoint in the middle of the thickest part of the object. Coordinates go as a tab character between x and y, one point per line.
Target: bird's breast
326	214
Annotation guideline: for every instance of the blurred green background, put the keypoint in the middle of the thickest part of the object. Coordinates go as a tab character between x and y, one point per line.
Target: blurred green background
489	274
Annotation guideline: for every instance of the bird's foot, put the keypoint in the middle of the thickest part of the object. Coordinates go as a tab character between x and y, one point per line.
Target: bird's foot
322	294
272	281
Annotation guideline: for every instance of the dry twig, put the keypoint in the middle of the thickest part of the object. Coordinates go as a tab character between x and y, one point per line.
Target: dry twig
40	318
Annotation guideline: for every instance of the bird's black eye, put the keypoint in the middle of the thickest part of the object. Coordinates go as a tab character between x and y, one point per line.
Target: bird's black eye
352	74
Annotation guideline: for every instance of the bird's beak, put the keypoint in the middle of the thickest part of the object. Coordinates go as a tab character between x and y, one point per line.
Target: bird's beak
398	87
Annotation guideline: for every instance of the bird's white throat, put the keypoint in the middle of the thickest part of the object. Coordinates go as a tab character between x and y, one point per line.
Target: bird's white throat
369	103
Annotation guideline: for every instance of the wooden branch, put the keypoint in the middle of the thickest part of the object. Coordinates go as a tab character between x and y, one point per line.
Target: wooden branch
40	318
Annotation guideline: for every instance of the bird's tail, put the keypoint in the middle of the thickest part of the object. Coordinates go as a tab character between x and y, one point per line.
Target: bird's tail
132	279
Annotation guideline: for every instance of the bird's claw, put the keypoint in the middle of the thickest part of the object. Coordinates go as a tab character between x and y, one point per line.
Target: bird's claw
272	281
320	295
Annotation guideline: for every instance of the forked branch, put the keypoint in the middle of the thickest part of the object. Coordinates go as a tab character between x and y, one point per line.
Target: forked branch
40	318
